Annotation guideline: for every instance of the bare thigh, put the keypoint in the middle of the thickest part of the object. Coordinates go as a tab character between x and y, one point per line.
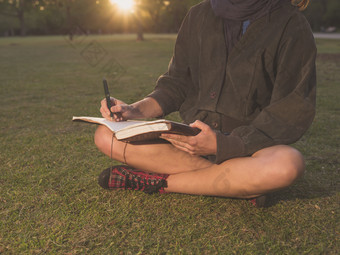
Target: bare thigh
151	157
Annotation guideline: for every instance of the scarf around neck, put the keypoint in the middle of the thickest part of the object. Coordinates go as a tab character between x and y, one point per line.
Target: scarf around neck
235	12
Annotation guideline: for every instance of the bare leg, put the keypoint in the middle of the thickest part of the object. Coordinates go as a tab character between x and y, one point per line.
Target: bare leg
157	158
267	170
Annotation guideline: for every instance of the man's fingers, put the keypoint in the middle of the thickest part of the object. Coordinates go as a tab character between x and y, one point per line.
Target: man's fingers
200	125
104	112
191	141
182	148
103	109
181	145
187	142
181	138
117	117
116	108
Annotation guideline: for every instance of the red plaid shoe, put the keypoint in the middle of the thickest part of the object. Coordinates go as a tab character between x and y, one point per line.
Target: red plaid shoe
126	177
259	202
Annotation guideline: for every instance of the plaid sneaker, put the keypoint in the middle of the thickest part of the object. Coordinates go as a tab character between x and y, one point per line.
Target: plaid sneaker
259	202
126	177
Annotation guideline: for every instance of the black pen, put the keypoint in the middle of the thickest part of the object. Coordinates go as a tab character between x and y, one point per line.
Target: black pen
107	96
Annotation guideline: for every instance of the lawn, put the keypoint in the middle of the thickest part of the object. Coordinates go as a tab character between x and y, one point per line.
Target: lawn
49	198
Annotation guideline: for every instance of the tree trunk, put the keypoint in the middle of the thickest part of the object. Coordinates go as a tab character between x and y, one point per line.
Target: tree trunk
140	35
70	27
139	26
21	18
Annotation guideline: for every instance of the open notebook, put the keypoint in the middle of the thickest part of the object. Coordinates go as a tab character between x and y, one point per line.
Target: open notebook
141	130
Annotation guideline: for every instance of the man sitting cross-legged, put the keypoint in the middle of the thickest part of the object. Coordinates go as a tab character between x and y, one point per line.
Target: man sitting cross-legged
244	73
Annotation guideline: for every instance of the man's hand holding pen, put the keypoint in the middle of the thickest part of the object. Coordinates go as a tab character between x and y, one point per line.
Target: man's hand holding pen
116	110
111	108
119	110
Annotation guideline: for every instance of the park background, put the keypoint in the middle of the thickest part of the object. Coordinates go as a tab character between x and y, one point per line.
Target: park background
51	67
51	17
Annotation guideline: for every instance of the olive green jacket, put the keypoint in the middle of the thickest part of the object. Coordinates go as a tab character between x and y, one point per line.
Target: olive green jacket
262	94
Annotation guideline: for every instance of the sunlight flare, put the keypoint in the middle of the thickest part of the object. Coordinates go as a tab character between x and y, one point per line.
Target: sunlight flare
124	5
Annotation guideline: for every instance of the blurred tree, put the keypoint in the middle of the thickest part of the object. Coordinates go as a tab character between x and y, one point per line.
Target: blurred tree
8	25
323	13
175	13
163	16
17	9
76	16
332	15
314	13
153	10
101	16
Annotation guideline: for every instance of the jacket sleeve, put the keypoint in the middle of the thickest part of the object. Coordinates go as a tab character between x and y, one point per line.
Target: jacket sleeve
171	87
292	106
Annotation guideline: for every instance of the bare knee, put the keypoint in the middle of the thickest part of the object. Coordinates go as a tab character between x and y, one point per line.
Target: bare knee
289	165
280	166
101	139
108	144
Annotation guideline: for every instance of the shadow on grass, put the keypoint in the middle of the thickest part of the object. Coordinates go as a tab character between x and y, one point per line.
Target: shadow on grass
310	186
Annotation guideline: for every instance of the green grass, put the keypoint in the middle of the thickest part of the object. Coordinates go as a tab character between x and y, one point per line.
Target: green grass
49	198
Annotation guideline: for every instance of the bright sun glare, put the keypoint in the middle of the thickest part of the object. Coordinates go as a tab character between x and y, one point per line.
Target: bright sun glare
124	5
